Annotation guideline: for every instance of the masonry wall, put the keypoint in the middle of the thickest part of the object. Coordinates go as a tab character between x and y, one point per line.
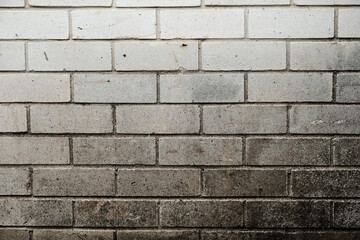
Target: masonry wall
179	119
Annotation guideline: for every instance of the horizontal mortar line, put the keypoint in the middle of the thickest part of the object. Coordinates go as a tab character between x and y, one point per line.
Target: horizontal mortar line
196	104
188	72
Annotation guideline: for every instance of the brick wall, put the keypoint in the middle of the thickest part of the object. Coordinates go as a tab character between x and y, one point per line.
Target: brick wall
179	119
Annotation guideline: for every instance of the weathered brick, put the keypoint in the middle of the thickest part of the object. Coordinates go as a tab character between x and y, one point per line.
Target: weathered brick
326	183
34	150
347	16
243	235
348	88
70	3
202	88
16	212
325	56
200	151
71	119
34	25
23	87
288	151
346	151
157	235
119	151
292	23
73	182
327	2
115	213
14	181
13	118
157	119
12	3
325	119
245	182
244	119
69	56
157	3
289	87
72	234
201	23
247	2
347	215
105	88
227	56
202	213
323	235
12	56
114	24
287	214
15	234
168	55
136	182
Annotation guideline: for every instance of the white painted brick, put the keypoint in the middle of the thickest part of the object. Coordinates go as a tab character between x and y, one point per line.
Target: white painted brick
157	3
299	23
290	87
156	56
13	118
34	25
70	3
114	24
12	56
243	55
69	56
247	2
12	3
349	23
211	87
348	88
115	88
325	56
22	87
202	23
327	2
71	119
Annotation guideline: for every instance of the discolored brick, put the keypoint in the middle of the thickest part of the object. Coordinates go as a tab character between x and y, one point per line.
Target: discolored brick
157	235
72	235
347	214
346	151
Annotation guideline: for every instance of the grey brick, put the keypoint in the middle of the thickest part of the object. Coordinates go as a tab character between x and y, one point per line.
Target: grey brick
120	151
15	234
73	182
13	118
200	151
242	235
148	182
288	151
115	213
203	213
287	214
348	88
34	150
326	183
202	88
347	215
328	235
245	182
326	119
244	119
17	212
157	235
72	234
346	151
14	181
157	119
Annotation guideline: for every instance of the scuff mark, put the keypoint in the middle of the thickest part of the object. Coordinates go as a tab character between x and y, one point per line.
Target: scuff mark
46	57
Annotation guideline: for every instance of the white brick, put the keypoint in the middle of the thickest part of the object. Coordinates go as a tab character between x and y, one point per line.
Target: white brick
243	55
69	56
71	119
327	2
115	88
154	56
22	87
34	25
348	88
202	23
13	118
349	23
211	87
70	3
247	2
325	56
157	3
12	56
12	3
290	87
114	24
300	23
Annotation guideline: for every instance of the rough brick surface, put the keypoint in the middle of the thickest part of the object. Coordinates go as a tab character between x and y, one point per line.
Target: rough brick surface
346	151
73	235
346	214
14	181
157	235
13	118
348	88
